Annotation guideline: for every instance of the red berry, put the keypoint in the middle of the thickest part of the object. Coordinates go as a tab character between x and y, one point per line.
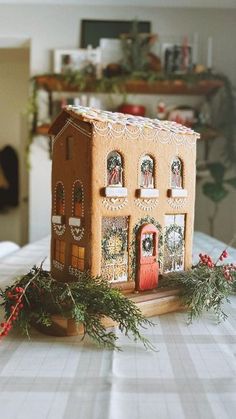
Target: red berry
21	305
225	254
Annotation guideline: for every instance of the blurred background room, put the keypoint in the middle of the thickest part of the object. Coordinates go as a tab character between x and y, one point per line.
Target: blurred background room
166	59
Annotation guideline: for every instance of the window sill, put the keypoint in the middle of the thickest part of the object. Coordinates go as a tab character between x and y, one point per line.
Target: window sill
58	219
148	193
115	191
177	193
75	221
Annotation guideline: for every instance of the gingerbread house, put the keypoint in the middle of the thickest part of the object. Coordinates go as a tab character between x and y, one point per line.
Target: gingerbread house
123	192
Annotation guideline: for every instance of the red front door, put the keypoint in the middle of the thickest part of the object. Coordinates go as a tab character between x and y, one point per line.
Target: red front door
148	267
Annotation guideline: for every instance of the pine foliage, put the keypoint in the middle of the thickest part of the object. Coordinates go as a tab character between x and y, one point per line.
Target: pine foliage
88	301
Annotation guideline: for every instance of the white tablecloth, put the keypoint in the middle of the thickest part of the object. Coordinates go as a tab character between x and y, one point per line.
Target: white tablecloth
191	377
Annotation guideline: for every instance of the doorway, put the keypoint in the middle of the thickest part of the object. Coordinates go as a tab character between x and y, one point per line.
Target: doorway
148	266
14	93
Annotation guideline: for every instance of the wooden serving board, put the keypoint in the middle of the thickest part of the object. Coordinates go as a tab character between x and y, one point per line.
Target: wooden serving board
151	303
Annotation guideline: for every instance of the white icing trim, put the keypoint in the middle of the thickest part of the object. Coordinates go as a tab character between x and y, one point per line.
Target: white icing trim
75	221
93	115
177	203
114	203
74	271
146	204
75	125
77	232
57	219
58	265
148	193
177	193
131	132
114	191
59	229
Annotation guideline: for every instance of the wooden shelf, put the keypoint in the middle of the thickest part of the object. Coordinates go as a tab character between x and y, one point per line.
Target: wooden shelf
42	129
210	134
52	83
167	87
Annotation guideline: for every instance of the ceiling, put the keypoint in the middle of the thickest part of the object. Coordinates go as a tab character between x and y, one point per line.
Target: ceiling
225	4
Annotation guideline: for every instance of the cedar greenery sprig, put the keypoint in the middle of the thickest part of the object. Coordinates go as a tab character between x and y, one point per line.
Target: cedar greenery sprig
206	286
88	301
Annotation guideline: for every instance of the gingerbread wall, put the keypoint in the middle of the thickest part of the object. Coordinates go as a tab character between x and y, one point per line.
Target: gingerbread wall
67	171
162	148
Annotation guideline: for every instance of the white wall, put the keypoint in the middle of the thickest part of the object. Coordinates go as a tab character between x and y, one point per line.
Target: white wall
52	27
14	75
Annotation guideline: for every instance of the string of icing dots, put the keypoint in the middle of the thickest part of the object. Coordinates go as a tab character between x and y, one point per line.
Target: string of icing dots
139	122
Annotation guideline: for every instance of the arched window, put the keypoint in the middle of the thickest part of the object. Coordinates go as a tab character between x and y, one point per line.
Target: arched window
114	169
60	199
147	172
176	173
78	200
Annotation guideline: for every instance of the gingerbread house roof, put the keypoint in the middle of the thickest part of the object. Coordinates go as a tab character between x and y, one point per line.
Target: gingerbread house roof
110	120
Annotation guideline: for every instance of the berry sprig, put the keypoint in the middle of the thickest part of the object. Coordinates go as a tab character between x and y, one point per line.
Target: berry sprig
227	269
206	260
15	295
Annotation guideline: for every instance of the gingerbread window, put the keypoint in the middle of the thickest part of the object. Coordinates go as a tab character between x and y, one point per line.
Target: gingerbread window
78	200
146	178
174	242
77	257
176	180
59	251
60	199
114	169
176	173
147	172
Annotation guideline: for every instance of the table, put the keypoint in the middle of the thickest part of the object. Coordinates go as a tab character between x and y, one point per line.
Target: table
191	376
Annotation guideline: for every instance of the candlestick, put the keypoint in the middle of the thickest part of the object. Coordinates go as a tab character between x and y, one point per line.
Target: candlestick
209	52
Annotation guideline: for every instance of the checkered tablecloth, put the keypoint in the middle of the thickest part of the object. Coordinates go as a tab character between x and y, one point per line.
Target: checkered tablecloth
192	376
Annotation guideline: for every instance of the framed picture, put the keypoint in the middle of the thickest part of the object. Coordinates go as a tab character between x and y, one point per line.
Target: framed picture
75	59
93	30
176	58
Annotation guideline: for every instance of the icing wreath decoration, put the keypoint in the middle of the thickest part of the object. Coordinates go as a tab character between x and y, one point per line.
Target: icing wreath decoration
112	162
174	246
147	166
176	167
60	192
147	244
78	194
114	243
